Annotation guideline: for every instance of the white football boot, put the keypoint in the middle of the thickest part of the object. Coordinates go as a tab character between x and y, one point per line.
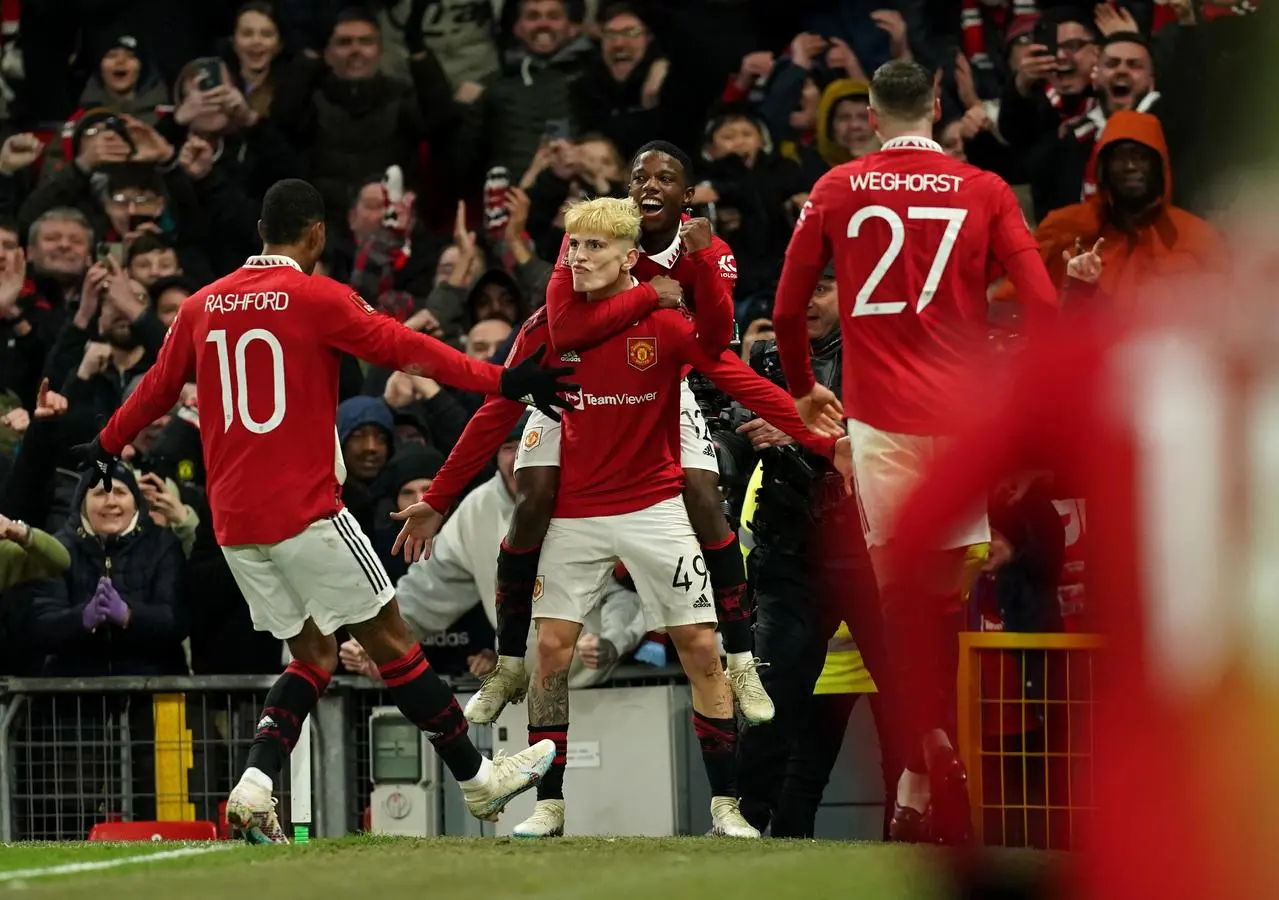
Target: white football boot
509	777
748	690
250	810
547	821
727	819
507	683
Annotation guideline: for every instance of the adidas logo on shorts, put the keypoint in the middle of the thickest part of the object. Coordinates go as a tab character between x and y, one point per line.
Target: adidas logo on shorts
570	356
708	450
702	603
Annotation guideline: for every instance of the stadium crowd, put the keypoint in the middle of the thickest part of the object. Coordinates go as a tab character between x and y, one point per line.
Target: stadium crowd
445	137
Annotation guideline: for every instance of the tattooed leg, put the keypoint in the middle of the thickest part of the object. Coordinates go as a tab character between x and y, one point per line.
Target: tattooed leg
713	719
548	698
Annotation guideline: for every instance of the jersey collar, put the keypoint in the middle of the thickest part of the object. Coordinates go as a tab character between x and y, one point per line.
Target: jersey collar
262	262
912	142
668	257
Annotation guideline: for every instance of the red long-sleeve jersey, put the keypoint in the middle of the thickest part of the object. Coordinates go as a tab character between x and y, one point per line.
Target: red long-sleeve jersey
912	233
262	345
708	277
619	447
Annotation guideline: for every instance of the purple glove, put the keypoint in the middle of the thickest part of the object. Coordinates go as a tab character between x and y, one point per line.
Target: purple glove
113	605
95	612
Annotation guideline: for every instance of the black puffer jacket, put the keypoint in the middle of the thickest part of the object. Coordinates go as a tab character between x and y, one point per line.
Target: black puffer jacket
145	565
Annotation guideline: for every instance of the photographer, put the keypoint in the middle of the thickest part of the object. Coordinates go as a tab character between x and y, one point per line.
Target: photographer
809	570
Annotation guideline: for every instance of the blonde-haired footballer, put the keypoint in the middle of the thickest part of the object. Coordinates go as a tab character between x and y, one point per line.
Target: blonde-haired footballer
620	498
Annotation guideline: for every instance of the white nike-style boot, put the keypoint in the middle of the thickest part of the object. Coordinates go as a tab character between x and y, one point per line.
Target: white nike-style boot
250	810
727	819
508	776
547	821
507	683
748	690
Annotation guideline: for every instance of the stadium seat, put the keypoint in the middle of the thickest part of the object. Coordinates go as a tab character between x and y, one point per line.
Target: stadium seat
154	831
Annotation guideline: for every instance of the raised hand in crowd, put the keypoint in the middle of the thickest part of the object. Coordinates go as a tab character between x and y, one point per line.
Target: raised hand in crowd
480	664
517	210
651	90
596	652
758	330
841	56
670	293
95	281
11	530
97	356
805	49
403	389
17	420
424	321
119	292
13	277
100	146
540	163
468	92
466	270
49	403
1035	67
564	159
163	501
891	22
356	660
1112	19
964	86
151	145
18	152
1081	265
196	158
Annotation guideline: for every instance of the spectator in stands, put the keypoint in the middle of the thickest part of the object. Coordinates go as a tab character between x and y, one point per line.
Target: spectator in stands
520	109
349	119
461	574
151	257
167	295
459	33
619	96
124	82
564	172
986	28
1125	79
366	433
1144	236
118	609
1044	111
422	410
28	554
843	122
485	337
255	57
164	503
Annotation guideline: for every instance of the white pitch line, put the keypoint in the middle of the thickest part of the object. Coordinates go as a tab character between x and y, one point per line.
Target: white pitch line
75	868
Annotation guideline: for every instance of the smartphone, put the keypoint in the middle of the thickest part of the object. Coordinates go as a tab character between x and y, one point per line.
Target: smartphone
116	124
558	130
102	251
136	221
1046	35
208	71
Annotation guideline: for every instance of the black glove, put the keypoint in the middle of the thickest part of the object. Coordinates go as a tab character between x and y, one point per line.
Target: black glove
414	40
92	456
529	383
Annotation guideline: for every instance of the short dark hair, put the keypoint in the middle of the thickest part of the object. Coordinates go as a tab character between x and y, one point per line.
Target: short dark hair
618	8
171	282
146	243
354	13
1125	37
670	150
289	208
902	89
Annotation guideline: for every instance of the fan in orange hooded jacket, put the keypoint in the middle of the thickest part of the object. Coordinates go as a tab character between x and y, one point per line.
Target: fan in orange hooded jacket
1145	235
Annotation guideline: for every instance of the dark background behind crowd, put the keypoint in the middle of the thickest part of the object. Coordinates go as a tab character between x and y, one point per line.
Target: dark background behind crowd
446	135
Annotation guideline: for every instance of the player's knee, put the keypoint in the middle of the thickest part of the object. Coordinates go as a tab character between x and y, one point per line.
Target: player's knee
698	650
556	640
316	650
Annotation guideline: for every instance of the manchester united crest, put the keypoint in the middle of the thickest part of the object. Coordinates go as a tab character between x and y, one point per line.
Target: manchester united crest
539	588
532	438
641	353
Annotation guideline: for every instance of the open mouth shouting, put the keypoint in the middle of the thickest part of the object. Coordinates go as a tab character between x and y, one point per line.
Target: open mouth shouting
651	207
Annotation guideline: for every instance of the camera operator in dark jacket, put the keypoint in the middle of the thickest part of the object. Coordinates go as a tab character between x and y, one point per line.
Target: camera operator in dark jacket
809	569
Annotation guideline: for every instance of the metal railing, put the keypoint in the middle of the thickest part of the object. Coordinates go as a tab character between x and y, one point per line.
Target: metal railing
1025	731
78	751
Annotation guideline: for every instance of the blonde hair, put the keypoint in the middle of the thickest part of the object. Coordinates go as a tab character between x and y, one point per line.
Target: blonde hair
606	217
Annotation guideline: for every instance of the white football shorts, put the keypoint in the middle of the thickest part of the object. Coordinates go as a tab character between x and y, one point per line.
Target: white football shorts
886	468
659	549
540	444
329	572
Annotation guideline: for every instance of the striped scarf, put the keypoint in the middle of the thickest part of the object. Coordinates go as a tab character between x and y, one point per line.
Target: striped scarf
973	31
1164	14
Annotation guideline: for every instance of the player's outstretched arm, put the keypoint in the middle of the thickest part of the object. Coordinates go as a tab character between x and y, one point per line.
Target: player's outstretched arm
758	394
157	392
355	327
1016	249
578	324
806	257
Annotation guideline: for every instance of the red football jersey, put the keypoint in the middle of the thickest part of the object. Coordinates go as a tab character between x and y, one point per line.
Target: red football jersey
619	446
262	345
913	233
707	276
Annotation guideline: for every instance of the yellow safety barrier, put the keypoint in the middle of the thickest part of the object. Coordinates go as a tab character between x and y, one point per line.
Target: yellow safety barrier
174	756
1025	716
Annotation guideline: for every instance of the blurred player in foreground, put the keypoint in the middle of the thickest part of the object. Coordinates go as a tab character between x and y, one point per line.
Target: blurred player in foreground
263	346
913	234
619	498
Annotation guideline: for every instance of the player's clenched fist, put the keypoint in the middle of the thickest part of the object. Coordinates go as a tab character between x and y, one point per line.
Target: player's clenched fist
670	294
696	234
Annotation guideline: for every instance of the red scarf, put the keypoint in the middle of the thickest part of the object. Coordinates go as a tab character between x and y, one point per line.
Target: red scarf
1164	14
973	31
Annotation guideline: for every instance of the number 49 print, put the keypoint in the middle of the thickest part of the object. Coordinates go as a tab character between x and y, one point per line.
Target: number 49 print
682	579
